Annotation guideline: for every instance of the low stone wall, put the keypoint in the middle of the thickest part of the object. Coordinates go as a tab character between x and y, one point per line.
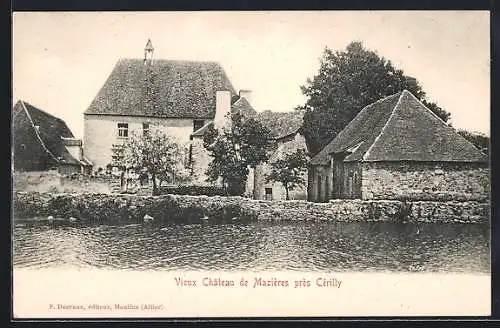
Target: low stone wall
193	209
426	181
54	182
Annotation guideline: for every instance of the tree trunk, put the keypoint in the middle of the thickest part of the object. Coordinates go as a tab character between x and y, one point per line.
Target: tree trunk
255	184
122	182
155	187
286	191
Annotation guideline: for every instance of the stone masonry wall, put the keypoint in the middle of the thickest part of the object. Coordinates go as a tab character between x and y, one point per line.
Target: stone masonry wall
194	209
425	181
287	146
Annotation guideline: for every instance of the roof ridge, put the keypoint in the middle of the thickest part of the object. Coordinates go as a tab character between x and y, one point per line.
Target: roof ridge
41	110
121	59
421	103
36	131
352	149
287	135
195	83
19	111
237	101
365	108
273	112
243	99
444	123
357	117
382	99
365	156
69	138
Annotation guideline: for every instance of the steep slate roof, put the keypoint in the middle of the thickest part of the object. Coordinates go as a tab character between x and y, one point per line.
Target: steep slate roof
241	104
399	128
244	107
281	124
50	131
167	88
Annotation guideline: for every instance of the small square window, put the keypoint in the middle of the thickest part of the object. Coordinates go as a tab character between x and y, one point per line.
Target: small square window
123	130
198	124
145	129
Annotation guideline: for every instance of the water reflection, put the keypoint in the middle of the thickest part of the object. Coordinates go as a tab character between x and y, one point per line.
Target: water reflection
310	246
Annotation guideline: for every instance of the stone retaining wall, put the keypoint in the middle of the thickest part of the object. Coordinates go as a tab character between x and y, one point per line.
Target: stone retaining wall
193	209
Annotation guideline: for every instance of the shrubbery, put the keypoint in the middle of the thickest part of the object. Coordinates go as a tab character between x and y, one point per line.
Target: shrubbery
193	190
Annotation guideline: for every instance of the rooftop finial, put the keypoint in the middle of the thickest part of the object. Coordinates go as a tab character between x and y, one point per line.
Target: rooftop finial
148	52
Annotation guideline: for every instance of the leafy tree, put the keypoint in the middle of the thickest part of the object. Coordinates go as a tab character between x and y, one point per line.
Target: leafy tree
346	82
253	140
242	144
155	153
226	164
117	157
289	171
479	140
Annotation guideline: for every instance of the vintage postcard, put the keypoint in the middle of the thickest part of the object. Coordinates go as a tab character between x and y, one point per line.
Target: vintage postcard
251	164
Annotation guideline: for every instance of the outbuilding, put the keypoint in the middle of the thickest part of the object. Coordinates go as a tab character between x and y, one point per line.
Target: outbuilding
397	148
42	142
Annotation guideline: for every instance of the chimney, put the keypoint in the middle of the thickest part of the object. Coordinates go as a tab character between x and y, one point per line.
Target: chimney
247	94
222	108
74	147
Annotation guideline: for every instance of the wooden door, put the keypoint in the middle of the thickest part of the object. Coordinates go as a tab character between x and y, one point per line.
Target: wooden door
269	193
319	181
338	179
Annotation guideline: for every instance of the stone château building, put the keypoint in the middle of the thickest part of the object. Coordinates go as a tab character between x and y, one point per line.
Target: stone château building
179	97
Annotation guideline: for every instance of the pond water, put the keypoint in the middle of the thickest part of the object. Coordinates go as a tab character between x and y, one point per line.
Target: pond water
304	246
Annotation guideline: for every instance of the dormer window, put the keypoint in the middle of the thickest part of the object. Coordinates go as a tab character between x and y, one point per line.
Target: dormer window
198	124
123	130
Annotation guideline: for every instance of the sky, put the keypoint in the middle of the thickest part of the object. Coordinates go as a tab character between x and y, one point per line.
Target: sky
62	59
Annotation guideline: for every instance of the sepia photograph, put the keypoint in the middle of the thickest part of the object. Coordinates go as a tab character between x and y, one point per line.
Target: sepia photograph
253	164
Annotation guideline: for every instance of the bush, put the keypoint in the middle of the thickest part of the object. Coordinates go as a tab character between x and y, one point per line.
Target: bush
193	190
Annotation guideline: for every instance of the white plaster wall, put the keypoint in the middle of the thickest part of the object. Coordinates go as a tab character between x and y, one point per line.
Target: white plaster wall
101	132
75	151
201	159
